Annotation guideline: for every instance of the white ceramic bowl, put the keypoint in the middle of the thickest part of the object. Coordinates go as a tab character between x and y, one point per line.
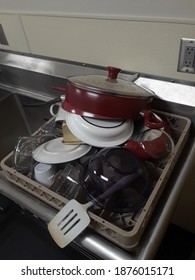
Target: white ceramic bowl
44	174
99	132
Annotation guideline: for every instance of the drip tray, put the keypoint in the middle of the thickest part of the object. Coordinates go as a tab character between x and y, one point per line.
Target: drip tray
23	236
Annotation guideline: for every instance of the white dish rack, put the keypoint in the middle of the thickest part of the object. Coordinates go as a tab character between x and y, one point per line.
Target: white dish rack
123	229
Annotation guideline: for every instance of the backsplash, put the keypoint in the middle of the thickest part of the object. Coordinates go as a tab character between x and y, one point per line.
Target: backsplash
150	47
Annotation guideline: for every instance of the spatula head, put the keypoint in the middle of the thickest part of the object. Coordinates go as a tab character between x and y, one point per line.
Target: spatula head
69	222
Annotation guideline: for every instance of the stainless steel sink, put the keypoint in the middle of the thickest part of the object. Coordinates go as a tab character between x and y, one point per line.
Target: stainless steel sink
18	117
13	122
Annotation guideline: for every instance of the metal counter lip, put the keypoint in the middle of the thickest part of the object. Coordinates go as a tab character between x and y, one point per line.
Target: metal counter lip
93	242
182	92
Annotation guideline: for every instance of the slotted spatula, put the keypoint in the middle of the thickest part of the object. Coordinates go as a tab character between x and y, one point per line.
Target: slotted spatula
73	218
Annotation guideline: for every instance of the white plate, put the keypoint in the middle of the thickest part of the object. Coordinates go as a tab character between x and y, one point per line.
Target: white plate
55	151
99	132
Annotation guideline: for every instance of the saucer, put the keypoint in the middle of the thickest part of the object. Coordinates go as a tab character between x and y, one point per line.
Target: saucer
55	151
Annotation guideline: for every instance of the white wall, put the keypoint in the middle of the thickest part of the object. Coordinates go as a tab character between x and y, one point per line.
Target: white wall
179	10
141	36
131	45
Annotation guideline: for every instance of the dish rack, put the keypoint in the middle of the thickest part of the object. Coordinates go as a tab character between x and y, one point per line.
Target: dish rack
122	229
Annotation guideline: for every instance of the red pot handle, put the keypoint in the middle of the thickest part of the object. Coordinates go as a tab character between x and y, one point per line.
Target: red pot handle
151	120
58	88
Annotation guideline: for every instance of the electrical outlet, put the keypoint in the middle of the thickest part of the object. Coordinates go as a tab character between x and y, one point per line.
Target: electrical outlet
187	56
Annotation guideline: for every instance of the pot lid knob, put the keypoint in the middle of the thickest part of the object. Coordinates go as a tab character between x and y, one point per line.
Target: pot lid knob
112	73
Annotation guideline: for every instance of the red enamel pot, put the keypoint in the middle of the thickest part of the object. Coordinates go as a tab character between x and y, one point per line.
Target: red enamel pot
105	97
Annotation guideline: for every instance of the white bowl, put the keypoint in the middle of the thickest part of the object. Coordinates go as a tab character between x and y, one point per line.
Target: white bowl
99	132
44	174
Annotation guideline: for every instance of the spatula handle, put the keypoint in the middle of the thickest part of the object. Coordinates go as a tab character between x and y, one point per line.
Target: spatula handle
128	179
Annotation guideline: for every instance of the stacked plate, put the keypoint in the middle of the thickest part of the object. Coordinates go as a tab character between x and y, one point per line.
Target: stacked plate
99	132
79	134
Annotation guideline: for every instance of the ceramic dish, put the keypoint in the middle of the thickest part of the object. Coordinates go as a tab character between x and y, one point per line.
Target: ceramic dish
55	151
99	132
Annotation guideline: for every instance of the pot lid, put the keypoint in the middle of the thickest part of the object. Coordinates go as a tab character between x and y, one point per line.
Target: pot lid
110	85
